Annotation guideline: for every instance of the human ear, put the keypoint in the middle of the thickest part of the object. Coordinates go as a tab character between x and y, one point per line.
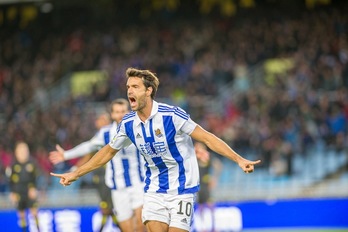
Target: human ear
149	91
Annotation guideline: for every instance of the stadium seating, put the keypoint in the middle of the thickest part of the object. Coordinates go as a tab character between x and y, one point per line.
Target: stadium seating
252	82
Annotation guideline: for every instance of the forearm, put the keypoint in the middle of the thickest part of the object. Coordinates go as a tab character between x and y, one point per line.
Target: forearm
79	151
83	160
98	160
219	146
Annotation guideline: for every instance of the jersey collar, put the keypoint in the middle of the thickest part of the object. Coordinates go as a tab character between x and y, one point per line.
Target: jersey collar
154	111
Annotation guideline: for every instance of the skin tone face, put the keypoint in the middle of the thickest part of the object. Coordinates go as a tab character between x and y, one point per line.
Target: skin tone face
22	152
102	120
139	97
118	111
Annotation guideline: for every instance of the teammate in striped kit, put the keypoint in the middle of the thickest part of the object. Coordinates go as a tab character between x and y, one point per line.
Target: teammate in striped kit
163	134
124	174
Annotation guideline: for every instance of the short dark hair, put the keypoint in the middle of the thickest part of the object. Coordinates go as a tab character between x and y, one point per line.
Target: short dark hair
148	77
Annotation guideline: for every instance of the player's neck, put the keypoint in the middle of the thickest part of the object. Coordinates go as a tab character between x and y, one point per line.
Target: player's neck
145	112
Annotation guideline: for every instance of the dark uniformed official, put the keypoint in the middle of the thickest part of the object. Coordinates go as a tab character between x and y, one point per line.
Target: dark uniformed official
23	191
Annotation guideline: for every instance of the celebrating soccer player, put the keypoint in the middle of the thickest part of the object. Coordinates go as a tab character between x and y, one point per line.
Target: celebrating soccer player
163	134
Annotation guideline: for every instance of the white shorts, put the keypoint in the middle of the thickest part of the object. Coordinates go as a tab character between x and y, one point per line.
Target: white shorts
126	200
174	210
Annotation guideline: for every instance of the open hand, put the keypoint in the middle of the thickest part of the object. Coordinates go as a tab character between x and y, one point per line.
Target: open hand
57	156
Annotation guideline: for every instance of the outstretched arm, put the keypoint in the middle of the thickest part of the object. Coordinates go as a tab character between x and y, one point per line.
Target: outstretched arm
83	160
60	155
57	156
220	147
99	159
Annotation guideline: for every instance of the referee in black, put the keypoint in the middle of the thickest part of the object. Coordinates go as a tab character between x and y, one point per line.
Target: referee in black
23	191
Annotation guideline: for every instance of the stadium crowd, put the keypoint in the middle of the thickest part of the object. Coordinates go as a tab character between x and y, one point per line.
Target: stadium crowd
282	115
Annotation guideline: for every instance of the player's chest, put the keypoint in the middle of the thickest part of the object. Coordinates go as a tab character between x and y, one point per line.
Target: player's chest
152	139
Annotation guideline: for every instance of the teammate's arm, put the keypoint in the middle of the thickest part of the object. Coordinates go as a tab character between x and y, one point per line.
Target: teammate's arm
220	147
60	155
98	160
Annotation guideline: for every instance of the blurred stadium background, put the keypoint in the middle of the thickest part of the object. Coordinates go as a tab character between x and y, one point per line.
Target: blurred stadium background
270	77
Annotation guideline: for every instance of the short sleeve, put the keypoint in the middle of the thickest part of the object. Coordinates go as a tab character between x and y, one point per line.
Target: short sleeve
188	126
120	140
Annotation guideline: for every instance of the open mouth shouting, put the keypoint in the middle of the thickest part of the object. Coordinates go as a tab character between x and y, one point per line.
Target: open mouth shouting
132	102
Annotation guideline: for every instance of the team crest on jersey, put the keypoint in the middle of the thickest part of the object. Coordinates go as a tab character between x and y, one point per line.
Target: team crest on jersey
158	133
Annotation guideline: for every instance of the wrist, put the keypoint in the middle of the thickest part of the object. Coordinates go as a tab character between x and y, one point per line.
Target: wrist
239	159
77	173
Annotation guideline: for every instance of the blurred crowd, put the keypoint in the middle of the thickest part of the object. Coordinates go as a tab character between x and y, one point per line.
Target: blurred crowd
272	118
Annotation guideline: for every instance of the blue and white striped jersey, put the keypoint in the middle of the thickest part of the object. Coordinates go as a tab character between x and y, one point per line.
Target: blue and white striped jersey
126	168
164	140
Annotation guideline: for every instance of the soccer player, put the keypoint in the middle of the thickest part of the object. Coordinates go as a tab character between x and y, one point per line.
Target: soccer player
98	179
124	174
163	135
23	191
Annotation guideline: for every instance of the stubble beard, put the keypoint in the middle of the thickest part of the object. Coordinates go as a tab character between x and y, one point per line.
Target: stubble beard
141	105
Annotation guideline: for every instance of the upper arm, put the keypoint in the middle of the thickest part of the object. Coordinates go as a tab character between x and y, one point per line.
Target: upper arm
109	151
200	134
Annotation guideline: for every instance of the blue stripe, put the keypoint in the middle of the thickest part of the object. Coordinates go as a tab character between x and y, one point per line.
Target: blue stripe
177	111
129	115
113	174
163	107
106	137
190	190
165	110
147	178
163	175
170	136
141	177
129	130
106	141
148	171
130	133
158	161
181	113
183	117
125	163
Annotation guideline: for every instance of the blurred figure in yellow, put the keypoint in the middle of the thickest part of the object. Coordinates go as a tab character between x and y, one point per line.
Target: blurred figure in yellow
23	191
